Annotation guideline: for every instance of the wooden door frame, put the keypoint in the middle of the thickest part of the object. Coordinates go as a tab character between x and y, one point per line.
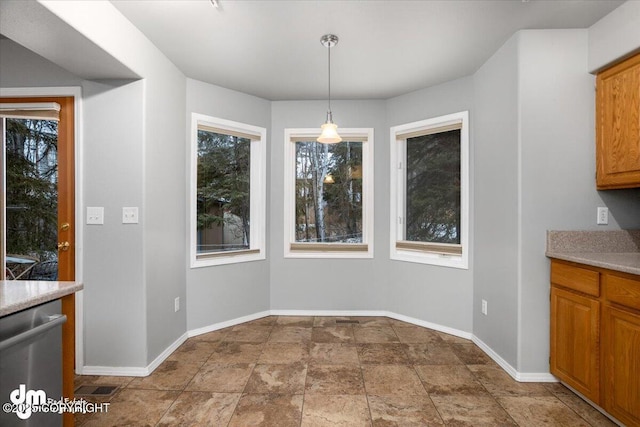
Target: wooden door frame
73	329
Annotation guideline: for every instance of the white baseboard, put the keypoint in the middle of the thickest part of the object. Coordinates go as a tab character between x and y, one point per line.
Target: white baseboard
124	371
227	323
144	371
166	353
523	377
329	313
374	313
429	325
115	371
535	377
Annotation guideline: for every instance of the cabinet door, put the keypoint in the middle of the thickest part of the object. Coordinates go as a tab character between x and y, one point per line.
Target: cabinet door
575	341
621	352
618	125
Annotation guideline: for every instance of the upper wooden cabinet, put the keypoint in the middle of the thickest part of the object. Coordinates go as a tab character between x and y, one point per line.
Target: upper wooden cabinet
618	125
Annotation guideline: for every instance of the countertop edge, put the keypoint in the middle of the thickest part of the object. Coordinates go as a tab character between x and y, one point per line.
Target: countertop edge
63	289
590	259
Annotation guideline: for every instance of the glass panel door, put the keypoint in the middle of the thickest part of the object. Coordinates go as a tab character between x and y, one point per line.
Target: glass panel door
37	188
31	199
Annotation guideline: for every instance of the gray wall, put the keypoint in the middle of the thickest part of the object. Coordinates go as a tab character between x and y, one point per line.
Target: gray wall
557	137
163	212
496	178
114	298
614	36
435	294
531	111
328	284
133	137
23	68
224	292
535	169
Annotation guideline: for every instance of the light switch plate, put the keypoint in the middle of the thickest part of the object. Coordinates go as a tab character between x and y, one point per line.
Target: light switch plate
130	215
95	215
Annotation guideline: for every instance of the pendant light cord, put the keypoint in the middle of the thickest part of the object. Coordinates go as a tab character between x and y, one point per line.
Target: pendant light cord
329	97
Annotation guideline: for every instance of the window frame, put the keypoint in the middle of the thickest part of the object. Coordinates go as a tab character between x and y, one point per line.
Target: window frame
430	253
257	191
330	249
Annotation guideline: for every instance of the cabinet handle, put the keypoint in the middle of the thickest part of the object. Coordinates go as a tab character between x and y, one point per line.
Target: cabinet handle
54	321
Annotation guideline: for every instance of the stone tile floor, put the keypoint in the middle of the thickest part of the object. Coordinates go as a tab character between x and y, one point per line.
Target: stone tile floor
318	371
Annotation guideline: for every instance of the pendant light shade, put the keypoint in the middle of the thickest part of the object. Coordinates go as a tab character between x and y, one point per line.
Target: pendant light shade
329	133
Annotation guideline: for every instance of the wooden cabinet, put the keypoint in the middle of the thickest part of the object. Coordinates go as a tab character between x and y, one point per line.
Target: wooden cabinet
595	336
575	341
621	345
618	125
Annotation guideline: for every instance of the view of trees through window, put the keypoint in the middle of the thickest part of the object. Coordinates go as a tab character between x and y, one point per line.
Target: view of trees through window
433	188
223	197
328	192
31	188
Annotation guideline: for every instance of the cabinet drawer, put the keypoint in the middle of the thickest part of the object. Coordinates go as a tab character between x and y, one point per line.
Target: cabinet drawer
576	278
623	291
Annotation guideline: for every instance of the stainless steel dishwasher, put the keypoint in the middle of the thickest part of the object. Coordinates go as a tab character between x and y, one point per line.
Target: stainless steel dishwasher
31	355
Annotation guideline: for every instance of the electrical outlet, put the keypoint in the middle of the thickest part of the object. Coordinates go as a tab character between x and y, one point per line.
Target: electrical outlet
484	307
95	215
176	304
130	215
603	216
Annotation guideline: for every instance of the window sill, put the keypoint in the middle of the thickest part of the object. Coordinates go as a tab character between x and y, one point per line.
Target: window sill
441	260
328	250
231	257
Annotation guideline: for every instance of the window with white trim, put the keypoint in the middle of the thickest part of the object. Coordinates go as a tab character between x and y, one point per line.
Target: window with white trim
328	195
430	191
228	191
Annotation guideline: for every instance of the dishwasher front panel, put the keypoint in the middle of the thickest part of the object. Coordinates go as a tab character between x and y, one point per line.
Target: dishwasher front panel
31	357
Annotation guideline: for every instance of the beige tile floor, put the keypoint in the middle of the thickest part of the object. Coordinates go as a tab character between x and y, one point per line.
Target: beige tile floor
319	371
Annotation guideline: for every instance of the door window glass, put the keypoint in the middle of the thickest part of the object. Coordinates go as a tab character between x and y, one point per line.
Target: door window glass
31	198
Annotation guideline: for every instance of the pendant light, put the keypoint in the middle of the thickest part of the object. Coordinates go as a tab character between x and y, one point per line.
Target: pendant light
329	133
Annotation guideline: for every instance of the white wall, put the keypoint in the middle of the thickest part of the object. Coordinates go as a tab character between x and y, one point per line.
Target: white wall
439	295
225	292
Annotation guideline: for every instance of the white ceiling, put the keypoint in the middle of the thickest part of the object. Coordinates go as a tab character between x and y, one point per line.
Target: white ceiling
272	49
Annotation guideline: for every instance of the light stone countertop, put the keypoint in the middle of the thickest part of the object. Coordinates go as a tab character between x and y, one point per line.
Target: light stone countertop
17	295
617	250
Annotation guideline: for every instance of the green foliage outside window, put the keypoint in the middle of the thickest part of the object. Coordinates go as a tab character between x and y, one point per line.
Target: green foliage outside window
433	188
223	193
329	192
31	188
